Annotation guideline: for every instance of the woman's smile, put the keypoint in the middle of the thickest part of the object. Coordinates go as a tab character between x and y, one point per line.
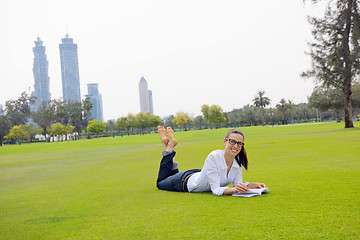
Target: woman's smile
234	150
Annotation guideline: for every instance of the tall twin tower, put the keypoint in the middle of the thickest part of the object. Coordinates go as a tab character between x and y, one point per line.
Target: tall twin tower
69	70
41	75
69	76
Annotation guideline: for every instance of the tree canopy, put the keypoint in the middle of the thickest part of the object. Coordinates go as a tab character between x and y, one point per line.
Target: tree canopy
261	100
17	133
18	111
213	114
5	126
335	51
181	119
96	126
31	131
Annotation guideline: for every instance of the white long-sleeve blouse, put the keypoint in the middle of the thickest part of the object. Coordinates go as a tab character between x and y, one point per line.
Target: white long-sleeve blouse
213	176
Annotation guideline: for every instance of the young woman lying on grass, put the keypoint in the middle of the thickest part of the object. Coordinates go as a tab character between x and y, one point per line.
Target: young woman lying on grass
221	167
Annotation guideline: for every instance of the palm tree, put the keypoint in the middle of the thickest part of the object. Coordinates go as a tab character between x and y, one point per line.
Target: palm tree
282	107
75	116
261	101
61	113
87	106
44	117
291	106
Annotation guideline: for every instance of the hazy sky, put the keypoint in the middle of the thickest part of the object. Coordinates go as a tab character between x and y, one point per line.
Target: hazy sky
191	52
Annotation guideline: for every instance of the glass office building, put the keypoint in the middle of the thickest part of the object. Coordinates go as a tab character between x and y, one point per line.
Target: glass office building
146	102
69	70
96	100
41	76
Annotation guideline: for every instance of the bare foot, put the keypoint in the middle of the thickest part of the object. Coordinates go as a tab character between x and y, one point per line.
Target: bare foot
172	141
163	136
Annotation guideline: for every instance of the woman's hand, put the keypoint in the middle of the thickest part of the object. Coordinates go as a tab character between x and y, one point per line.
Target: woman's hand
241	188
256	185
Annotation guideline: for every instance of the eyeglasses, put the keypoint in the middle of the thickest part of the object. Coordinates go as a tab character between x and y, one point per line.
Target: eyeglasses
232	142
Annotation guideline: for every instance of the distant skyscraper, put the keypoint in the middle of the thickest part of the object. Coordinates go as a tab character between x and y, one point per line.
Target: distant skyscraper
146	102
151	103
1	110
69	70
96	100
41	76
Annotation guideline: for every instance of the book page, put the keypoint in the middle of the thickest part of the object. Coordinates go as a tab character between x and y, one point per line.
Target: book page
252	192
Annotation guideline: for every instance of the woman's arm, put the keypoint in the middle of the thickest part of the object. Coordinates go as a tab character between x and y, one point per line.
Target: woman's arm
213	175
239	188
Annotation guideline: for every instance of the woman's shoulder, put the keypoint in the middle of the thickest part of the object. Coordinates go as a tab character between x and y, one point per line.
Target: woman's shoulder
217	153
215	158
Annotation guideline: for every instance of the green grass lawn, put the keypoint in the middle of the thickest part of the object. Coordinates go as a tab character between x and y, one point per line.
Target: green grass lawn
105	188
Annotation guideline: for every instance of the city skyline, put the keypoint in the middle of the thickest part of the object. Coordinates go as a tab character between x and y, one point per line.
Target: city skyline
221	53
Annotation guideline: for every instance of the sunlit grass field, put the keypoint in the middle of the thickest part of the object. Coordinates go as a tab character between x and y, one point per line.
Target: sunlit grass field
105	188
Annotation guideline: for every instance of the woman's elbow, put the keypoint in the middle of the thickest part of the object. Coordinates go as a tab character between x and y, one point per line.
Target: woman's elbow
216	192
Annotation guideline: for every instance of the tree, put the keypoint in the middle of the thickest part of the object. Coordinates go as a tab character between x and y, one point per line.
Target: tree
355	96
260	100
169	121
249	114
205	111
122	123
181	119
327	98
154	121
16	133
43	117
216	115
60	112
131	122
68	129
304	111
18	111
5	126
235	117
335	51
140	122
145	121
31	131
199	121
291	107
110	126
282	108
87	106
75	116
57	129
96	126
213	114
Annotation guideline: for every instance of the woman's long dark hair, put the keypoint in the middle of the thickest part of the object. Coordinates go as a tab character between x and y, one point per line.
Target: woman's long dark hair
241	158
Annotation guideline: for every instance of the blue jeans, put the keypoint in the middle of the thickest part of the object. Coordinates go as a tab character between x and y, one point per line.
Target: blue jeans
171	179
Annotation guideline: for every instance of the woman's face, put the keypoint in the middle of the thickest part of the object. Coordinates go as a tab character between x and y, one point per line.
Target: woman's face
233	144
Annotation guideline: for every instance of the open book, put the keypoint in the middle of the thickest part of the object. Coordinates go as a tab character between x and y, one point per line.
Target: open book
252	192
